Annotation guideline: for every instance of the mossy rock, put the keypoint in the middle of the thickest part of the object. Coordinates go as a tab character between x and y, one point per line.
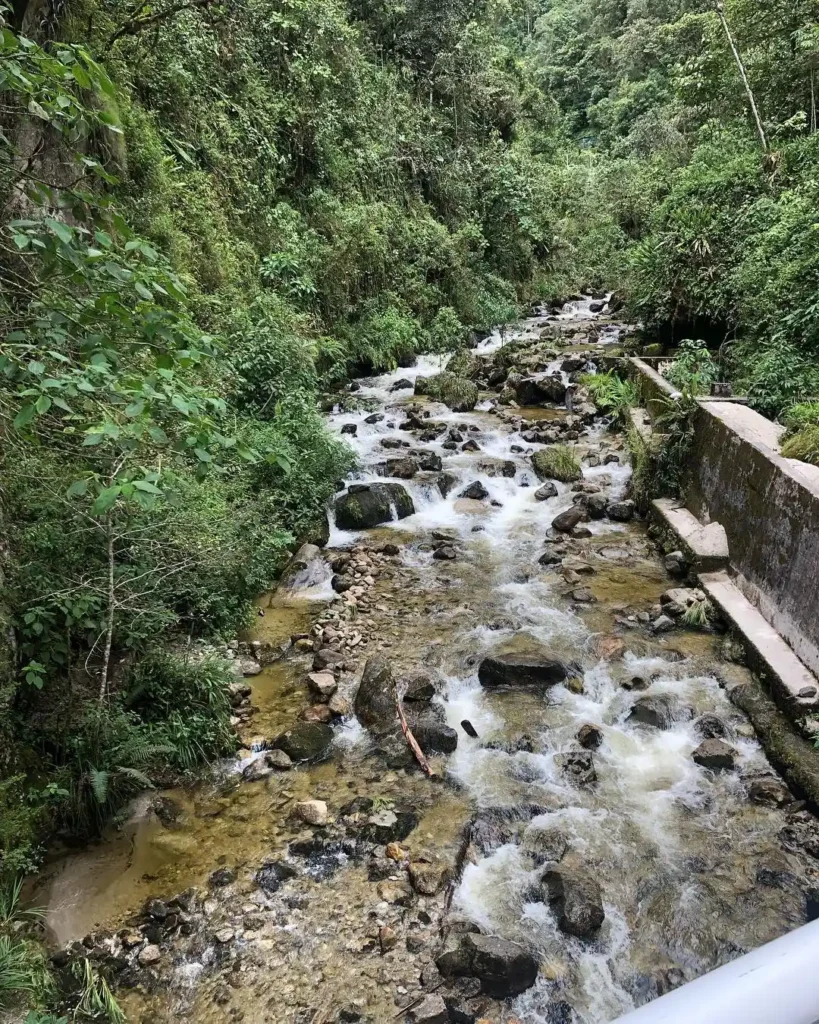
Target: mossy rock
460	394
368	505
464	364
557	463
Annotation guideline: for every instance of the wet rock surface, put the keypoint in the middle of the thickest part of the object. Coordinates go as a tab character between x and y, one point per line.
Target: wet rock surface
555	865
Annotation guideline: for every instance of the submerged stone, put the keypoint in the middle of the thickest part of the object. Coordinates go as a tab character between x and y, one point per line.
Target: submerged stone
520	670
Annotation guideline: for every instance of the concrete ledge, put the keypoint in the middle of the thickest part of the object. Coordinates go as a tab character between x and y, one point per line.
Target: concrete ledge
705	547
654	388
769	507
794	757
640	421
794	688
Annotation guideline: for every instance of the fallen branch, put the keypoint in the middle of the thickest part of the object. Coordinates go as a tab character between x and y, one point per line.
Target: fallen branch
411	740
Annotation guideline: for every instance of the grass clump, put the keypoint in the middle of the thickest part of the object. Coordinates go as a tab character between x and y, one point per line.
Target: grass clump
698	615
460	394
803	445
557	462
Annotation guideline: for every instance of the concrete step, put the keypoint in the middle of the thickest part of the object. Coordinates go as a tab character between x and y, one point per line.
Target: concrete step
794	687
641	422
705	547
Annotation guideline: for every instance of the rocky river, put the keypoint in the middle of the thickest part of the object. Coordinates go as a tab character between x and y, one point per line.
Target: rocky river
598	823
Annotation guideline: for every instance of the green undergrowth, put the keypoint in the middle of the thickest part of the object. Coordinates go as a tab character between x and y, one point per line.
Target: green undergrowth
610	392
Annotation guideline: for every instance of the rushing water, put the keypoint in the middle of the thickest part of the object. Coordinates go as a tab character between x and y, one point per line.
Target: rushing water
692	873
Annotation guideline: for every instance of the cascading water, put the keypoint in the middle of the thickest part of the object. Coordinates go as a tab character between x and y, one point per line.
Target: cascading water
692	873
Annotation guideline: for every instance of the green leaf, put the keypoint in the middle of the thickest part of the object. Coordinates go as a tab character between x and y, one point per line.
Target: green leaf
105	500
147	486
24	416
92	439
36	367
43	404
78	488
35	109
62	231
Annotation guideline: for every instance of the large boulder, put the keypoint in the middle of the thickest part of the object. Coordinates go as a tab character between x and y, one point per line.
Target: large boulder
576	901
520	670
504	968
374	703
305	741
566	521
366	505
460	394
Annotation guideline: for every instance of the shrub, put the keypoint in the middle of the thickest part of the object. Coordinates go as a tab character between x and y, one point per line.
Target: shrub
799	416
557	462
804	445
694	368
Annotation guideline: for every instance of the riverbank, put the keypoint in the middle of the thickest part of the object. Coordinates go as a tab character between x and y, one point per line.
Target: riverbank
347	888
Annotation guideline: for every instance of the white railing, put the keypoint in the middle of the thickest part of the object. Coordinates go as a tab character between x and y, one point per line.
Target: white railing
775	984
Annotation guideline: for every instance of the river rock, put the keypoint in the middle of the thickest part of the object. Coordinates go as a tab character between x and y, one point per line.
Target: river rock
368	505
350	428
279	760
546	491
149	955
384	827
544	845
404	469
590	736
655	711
417	686
578	765
576	900
714	754
770	792
323	684
316	713
428	878
273	873
433	1010
568	520
446	482
340	706
476	491
305	741
621	511
312	812
504	968
596	505
249	666
445	553
434	736
374	702
520	670
710	727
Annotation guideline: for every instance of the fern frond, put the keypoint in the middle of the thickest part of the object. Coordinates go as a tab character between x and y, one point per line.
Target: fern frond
99	784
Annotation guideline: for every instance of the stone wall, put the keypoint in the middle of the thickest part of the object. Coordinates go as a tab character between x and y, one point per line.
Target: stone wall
769	507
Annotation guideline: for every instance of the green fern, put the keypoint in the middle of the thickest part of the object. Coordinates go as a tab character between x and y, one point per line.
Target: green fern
611	393
99	784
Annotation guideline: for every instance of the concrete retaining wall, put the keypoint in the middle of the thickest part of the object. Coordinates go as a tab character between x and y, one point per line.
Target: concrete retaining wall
769	507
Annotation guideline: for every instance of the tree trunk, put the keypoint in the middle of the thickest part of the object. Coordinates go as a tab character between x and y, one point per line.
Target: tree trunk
749	92
109	630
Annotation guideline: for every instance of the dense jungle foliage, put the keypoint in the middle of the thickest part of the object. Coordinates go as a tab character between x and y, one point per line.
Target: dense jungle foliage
217	210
